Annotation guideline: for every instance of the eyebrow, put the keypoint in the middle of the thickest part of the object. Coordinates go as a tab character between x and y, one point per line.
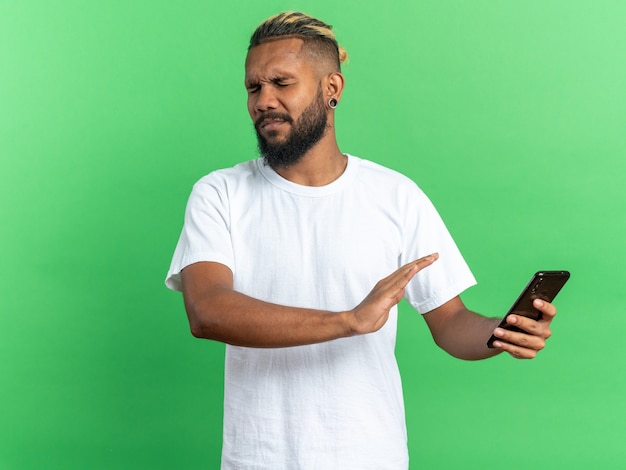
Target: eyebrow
275	79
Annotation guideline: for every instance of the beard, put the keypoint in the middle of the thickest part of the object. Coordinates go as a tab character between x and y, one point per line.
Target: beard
305	132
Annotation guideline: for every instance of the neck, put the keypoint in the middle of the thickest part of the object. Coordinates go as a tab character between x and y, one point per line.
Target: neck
320	166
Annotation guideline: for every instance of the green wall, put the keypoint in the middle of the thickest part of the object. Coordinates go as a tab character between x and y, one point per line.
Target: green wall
511	115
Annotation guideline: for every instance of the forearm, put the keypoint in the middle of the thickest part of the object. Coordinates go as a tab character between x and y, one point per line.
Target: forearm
461	332
467	336
234	318
217	311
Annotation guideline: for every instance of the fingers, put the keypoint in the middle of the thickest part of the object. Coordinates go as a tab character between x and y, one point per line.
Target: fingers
515	351
519	345
400	278
373	311
426	261
546	308
412	268
526	344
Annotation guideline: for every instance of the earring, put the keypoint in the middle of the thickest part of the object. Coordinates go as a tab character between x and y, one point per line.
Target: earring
332	103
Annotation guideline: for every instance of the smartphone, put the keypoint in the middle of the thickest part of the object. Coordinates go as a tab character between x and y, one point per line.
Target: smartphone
544	285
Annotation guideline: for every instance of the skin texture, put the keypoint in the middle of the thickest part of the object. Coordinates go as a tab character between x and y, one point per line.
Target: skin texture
218	312
282	80
303	134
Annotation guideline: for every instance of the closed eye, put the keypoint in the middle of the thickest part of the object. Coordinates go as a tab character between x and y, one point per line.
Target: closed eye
282	81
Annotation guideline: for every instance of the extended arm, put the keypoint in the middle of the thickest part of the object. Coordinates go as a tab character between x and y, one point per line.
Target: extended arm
216	311
464	334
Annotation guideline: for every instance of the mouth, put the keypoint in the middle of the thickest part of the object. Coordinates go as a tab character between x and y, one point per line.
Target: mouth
271	124
271	121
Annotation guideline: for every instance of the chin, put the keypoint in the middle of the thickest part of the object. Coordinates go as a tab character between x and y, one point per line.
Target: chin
274	136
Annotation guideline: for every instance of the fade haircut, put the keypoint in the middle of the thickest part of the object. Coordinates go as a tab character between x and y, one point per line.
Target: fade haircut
318	36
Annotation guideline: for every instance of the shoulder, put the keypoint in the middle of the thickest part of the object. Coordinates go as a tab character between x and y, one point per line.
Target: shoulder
232	175
218	187
228	180
376	175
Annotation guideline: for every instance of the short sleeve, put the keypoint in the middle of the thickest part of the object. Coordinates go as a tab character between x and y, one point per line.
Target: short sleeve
206	231
426	233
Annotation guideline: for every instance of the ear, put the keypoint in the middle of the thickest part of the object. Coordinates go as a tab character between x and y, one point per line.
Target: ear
333	85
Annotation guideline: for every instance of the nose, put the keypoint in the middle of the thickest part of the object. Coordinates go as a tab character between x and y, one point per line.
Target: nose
264	100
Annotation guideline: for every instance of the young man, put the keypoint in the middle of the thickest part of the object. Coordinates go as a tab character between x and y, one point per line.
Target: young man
287	260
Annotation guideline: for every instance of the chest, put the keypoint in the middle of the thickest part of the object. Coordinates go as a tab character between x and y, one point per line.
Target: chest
338	245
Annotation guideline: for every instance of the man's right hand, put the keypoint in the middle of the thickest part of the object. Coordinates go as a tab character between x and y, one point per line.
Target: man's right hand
218	312
371	314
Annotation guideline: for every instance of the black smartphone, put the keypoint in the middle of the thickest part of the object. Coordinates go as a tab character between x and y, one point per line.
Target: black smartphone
544	285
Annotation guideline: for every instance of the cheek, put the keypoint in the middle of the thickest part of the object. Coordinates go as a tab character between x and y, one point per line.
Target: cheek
250	105
295	107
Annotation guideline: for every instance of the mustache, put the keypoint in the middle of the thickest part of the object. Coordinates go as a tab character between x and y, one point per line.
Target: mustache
272	115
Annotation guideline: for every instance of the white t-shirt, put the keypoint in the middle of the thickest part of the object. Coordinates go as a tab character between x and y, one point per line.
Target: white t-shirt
338	404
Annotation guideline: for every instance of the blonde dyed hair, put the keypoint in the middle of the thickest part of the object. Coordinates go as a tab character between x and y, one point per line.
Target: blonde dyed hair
317	35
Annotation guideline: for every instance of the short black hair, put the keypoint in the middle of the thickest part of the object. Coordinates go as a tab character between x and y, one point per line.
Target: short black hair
316	34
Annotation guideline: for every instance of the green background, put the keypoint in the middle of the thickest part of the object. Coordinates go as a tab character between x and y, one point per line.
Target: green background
511	115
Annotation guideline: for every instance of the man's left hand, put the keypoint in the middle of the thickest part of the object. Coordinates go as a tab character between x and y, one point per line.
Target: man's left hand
527	344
